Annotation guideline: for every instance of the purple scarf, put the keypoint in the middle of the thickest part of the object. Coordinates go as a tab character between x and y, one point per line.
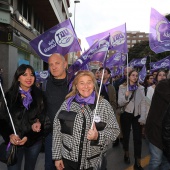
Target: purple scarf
133	87
104	85
80	100
27	99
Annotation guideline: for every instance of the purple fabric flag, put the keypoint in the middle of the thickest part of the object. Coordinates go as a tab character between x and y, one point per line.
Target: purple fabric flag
164	63
60	39
159	37
142	74
116	71
140	62
116	60
118	38
41	75
97	52
85	67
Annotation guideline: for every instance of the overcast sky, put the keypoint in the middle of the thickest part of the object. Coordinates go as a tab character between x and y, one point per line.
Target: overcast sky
95	16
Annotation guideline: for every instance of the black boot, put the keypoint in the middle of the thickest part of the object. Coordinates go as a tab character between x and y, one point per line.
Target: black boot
137	165
126	157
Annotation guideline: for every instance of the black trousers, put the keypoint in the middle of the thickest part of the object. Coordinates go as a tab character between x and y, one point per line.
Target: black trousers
70	165
127	120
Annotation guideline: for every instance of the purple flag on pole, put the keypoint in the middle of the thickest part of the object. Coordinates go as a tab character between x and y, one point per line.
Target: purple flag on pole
97	52
142	74
60	39
140	62
118	38
164	63
116	71
41	76
115	60
159	37
85	67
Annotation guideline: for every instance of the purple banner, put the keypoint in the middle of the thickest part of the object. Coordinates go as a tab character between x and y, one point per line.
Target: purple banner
164	63
142	74
140	62
118	38
159	37
116	60
59	39
116	71
97	52
42	75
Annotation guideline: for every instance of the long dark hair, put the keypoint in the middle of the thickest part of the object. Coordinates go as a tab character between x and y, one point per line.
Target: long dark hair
13	90
145	83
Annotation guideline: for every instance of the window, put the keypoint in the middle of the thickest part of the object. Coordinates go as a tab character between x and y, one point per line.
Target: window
23	57
133	41
37	63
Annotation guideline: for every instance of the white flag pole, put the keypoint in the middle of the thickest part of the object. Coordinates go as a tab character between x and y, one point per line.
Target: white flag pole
8	109
127	78
99	93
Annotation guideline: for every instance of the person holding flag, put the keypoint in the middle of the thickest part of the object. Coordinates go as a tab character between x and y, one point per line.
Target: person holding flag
24	125
83	127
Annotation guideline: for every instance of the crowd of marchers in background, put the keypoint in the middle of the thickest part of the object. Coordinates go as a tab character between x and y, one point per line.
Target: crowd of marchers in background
76	125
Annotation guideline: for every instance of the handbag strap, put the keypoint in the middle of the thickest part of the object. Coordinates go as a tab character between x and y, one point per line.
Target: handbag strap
131	97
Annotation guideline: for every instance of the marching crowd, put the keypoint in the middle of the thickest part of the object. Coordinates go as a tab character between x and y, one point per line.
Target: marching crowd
78	124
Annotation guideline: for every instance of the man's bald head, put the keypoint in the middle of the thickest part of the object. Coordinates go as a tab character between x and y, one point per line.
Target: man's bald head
57	65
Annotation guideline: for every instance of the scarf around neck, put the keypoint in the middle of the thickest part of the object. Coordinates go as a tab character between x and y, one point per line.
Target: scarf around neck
27	99
81	100
133	87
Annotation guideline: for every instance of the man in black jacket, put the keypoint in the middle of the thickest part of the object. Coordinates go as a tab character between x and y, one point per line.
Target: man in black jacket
55	92
153	127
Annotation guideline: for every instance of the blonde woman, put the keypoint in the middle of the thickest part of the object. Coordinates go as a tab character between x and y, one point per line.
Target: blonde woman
75	144
134	101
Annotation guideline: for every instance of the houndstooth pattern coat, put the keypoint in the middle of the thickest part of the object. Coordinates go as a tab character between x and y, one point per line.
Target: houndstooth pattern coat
70	133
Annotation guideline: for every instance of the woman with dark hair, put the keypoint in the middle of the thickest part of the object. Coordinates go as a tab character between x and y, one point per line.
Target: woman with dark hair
148	81
26	106
132	97
80	138
161	75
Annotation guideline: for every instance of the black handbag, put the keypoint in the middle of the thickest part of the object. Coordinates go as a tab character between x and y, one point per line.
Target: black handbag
8	153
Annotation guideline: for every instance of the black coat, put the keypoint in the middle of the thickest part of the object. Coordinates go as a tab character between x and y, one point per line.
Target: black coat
23	118
160	101
166	133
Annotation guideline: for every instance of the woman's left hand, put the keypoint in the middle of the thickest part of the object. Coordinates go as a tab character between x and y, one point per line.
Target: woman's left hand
92	133
22	141
36	127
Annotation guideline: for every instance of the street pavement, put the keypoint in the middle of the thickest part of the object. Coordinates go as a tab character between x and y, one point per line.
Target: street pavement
114	158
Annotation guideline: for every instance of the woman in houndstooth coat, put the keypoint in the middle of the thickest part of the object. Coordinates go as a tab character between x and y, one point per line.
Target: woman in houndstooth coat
78	143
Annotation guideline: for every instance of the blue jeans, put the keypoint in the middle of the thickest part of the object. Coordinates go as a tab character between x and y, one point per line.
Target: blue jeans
157	161
49	163
31	154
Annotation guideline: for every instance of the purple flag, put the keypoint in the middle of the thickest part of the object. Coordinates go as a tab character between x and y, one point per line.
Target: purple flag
142	74
164	63
116	60
97	52
159	37
42	75
118	38
85	67
59	39
116	71
140	62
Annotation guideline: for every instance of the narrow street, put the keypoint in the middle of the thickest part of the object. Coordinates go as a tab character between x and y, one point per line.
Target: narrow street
114	158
